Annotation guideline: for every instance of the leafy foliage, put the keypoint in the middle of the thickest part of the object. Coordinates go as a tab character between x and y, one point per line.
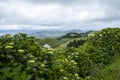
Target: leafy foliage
76	43
70	35
107	40
110	72
97	52
22	58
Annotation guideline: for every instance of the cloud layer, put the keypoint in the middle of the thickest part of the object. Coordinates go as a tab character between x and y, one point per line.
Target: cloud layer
59	13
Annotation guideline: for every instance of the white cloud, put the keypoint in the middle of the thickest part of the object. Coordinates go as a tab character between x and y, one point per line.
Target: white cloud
9	27
17	13
27	27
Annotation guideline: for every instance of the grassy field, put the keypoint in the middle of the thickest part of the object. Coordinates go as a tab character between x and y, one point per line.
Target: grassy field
64	45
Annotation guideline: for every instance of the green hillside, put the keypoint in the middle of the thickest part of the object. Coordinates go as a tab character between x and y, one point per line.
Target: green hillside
110	72
23	57
68	40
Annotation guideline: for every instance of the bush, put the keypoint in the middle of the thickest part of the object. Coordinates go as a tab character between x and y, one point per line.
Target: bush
107	40
88	58
21	58
76	43
97	52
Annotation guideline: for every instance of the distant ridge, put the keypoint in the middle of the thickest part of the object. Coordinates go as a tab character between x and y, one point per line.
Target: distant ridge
40	33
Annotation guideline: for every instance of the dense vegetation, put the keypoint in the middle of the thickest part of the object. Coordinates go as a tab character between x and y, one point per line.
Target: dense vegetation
107	40
70	35
76	43
22	58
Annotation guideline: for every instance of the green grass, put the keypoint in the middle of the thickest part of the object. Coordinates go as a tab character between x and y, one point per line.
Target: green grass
64	45
110	72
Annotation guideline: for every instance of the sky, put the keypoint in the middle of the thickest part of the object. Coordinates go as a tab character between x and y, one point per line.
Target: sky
59	14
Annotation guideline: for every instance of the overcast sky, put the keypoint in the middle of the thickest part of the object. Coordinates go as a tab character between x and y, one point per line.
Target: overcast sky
59	14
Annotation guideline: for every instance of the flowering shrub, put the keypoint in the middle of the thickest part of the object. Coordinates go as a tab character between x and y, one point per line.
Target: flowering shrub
21	58
107	40
97	52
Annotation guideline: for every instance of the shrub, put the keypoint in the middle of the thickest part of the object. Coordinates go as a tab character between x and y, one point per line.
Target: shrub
21	58
76	43
107	40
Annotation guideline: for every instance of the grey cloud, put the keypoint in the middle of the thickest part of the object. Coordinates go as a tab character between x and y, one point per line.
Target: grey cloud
59	1
112	4
110	7
108	19
86	2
